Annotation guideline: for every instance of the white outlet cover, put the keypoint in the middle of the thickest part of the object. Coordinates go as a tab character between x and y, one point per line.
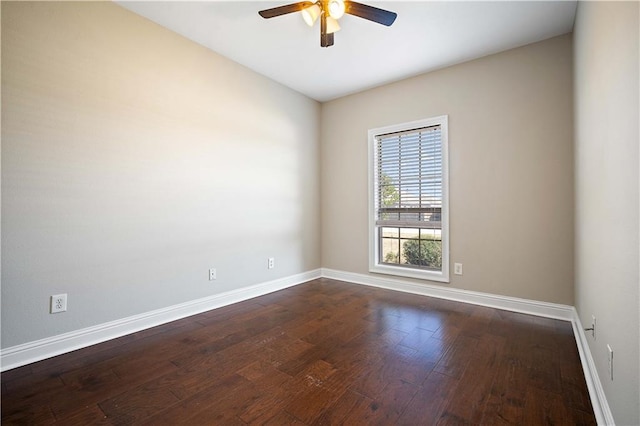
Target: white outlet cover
58	303
457	268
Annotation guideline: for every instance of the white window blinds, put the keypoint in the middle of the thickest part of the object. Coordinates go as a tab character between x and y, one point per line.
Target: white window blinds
409	178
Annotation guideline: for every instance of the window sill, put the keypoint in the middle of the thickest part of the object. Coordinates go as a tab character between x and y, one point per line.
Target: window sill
410	273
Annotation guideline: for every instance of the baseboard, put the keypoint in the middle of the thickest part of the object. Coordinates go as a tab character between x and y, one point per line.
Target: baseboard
514	304
38	350
596	391
549	310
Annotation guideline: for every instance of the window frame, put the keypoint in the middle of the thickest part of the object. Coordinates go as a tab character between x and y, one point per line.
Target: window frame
374	247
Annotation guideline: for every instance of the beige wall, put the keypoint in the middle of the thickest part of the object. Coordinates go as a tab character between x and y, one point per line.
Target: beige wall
511	168
606	164
133	160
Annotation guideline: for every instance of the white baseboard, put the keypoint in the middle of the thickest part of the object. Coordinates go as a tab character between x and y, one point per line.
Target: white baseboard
38	350
596	391
543	309
514	304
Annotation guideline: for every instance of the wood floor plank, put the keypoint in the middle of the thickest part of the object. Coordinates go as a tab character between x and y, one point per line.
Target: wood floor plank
507	396
394	398
320	353
283	418
96	385
134	406
212	403
26	400
543	407
427	405
36	413
471	399
89	415
454	362
387	407
337	412
275	389
314	396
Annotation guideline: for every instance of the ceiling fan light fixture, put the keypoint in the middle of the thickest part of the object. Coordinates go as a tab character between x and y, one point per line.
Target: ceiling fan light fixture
310	14
332	25
336	8
329	11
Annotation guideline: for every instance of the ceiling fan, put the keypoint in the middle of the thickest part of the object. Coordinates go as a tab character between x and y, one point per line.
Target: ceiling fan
329	11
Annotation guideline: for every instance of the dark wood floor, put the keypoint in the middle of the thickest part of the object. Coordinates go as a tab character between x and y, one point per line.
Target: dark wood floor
325	352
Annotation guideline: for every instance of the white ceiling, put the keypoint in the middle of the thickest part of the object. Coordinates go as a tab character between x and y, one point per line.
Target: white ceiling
427	35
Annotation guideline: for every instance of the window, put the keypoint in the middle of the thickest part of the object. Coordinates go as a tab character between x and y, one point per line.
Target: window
408	207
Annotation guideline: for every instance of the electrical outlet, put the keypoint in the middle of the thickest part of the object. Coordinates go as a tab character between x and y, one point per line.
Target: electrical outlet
610	362
58	303
212	274
271	263
457	268
593	326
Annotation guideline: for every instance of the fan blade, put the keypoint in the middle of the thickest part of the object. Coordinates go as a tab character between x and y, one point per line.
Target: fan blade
326	40
371	13
283	10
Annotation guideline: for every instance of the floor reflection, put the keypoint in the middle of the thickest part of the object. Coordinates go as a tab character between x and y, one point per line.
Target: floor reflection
425	331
